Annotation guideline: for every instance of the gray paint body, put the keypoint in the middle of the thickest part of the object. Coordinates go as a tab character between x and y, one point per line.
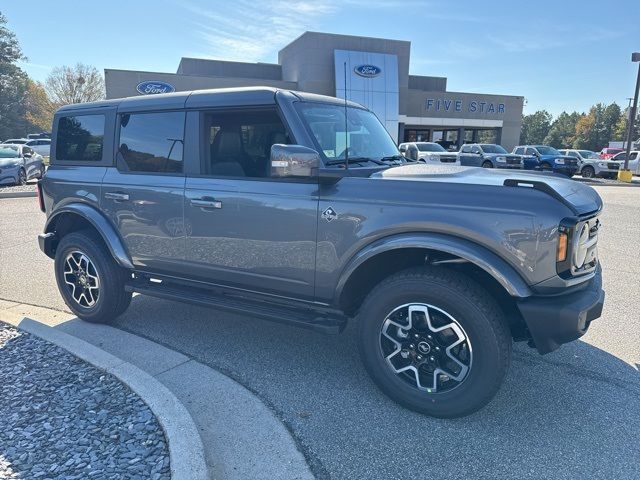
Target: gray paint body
269	236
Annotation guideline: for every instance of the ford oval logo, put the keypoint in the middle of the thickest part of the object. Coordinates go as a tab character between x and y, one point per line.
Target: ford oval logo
368	70
151	87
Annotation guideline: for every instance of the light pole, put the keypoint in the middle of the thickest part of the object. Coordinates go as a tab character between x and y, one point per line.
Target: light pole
625	175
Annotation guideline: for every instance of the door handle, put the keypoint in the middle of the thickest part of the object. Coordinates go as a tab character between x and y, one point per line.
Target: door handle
204	203
117	196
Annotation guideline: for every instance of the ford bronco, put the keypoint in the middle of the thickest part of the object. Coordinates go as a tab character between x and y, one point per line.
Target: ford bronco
299	208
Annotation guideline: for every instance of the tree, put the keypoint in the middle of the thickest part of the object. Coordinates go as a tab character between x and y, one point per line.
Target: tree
13	82
620	129
596	129
81	83
563	130
38	109
535	127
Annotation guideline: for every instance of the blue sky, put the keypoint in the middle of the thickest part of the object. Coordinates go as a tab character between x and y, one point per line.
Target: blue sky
560	55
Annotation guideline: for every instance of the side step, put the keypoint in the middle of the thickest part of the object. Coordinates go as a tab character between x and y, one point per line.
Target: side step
319	321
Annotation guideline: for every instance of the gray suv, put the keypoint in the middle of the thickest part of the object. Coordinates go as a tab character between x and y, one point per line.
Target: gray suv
297	208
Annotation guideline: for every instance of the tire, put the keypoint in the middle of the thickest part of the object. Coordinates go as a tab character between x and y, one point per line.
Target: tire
588	172
451	297
22	177
104	295
40	173
545	166
487	164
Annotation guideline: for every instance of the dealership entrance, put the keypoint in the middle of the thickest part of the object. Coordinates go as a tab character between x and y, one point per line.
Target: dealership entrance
451	138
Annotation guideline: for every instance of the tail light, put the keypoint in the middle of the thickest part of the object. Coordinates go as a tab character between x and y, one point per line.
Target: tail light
40	199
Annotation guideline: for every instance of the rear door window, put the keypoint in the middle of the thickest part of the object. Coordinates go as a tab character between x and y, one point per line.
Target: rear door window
151	142
80	138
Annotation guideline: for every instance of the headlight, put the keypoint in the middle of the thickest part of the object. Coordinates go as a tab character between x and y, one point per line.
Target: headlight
501	159
560	161
585	246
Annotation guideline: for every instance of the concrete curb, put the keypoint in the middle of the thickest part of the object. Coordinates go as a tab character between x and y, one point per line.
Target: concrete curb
18	194
186	451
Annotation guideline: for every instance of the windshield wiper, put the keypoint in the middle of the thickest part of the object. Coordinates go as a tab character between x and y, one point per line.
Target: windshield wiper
391	158
351	160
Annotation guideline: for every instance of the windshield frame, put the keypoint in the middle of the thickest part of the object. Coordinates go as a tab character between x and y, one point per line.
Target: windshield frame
329	162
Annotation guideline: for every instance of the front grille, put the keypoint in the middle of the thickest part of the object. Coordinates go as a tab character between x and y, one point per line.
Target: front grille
448	158
514	160
613	166
570	161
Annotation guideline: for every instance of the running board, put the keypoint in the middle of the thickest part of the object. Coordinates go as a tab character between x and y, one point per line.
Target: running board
323	322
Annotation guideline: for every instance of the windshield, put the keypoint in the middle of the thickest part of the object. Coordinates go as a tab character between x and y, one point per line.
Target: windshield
490	148
430	147
9	152
365	135
588	154
543	150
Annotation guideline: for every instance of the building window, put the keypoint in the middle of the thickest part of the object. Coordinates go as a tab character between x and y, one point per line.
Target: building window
80	138
487	136
238	143
151	142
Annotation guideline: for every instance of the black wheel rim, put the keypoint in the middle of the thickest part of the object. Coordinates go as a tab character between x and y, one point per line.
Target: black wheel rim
81	279
426	347
22	177
587	172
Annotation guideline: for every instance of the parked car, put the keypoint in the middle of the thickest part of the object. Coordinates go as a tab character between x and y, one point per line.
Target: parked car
15	141
41	145
488	155
19	164
545	158
428	152
590	164
633	160
442	268
607	152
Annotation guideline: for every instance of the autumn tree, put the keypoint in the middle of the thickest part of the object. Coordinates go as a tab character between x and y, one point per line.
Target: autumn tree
78	84
563	130
38	109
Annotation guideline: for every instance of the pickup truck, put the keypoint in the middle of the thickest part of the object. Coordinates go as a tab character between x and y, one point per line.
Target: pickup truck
299	208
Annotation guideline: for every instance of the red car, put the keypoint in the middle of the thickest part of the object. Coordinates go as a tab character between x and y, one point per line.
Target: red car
609	152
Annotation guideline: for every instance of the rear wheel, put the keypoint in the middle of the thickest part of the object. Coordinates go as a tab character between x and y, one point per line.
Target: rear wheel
434	341
89	280
487	164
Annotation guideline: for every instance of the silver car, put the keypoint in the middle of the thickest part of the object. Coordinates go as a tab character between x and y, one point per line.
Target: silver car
19	164
590	164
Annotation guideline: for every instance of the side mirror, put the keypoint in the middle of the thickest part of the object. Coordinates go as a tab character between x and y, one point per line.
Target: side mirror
27	155
293	161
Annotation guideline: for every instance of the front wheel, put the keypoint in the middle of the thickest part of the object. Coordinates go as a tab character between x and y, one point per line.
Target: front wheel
588	172
487	164
22	177
90	282
434	341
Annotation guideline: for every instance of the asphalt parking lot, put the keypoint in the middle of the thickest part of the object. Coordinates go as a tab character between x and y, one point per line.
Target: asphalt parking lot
571	414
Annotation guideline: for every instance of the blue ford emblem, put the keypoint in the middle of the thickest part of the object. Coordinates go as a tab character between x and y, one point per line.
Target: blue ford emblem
151	87
368	70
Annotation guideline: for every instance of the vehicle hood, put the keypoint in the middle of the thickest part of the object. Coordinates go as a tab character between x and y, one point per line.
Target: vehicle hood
580	198
9	162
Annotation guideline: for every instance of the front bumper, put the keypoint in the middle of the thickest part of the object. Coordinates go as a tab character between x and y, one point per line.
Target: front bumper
560	319
569	170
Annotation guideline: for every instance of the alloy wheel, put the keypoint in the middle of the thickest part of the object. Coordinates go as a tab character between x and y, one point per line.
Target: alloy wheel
22	177
426	347
81	278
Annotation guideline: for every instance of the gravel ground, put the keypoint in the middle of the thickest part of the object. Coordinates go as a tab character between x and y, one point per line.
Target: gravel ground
29	187
61	418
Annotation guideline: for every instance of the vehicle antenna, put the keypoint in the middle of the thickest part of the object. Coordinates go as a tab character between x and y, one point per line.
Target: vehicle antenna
346	122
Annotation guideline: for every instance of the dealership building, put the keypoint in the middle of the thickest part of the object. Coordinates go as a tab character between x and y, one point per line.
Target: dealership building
371	71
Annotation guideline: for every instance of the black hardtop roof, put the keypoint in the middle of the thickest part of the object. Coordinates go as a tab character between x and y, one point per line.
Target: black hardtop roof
202	98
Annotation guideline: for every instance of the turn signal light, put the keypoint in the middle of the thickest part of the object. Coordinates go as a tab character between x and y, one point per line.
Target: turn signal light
562	247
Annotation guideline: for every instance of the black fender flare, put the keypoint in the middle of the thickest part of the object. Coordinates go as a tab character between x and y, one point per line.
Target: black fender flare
498	268
102	225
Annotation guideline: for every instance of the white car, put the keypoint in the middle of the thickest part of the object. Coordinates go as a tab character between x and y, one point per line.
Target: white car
15	141
591	165
40	145
428	152
633	160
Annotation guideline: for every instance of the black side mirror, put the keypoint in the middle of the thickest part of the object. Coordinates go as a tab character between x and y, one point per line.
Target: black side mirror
293	161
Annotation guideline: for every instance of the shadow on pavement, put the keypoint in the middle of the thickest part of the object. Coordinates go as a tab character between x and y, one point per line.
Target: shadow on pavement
572	413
